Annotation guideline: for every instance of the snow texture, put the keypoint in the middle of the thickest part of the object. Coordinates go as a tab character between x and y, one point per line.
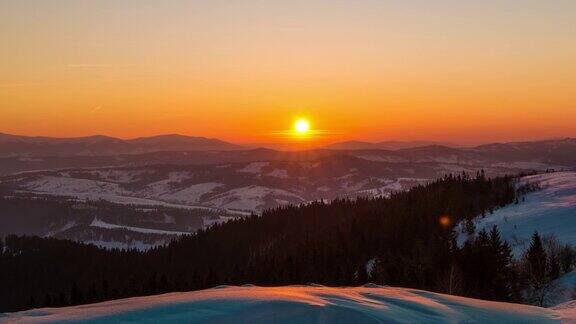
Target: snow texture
254	167
191	194
98	223
299	304
249	198
138	245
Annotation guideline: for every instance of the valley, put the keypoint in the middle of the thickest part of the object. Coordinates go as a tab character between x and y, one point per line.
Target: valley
242	182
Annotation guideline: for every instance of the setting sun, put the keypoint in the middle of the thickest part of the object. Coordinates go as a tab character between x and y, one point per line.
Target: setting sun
302	126
375	148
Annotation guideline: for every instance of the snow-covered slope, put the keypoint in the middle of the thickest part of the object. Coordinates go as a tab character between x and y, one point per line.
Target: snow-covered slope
300	304
248	187
550	211
98	223
251	197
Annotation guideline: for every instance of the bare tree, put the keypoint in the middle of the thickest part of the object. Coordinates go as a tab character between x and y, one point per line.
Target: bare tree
451	282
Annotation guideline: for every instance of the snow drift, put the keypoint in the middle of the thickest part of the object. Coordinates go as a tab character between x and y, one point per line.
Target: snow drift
300	304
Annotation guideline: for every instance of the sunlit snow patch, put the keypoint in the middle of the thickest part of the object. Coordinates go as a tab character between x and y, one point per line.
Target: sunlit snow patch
299	304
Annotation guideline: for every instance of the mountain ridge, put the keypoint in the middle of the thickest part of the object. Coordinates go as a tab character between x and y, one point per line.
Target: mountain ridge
20	145
385	145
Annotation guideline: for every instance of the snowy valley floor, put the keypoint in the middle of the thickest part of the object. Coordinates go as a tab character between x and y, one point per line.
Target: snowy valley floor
299	304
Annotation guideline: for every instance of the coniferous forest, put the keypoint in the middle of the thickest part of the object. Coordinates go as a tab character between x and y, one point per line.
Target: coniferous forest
407	240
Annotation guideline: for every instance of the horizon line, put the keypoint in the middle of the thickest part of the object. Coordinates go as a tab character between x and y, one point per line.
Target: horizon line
467	143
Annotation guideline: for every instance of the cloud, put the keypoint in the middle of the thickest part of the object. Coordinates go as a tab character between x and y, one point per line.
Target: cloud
12	85
22	85
86	66
96	109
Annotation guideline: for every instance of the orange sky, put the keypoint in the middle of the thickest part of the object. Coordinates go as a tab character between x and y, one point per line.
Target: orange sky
457	71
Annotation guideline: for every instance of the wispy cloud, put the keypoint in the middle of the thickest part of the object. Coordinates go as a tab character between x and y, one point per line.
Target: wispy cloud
12	85
95	66
23	84
87	66
96	109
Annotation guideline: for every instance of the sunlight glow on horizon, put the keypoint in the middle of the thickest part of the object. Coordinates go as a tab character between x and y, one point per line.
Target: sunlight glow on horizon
447	70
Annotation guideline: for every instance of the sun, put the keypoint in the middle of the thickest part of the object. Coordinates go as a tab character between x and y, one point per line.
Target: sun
301	126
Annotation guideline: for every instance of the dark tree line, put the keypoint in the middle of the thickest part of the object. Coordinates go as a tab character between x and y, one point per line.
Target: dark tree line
407	239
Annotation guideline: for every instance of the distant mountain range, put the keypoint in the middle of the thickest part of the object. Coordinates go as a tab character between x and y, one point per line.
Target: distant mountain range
16	145
385	145
174	173
18	154
100	145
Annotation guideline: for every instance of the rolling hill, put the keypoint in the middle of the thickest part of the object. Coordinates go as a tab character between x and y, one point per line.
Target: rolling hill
385	145
28	146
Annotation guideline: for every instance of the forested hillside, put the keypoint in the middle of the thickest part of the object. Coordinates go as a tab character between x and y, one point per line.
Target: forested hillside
99	222
405	240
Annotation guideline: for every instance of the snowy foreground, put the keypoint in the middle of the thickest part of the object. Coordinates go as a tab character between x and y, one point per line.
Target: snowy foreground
300	304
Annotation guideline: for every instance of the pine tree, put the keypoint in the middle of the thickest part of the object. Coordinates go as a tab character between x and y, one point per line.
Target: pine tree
540	285
152	286
503	272
92	293
47	301
104	289
61	299
75	294
537	262
164	283
31	302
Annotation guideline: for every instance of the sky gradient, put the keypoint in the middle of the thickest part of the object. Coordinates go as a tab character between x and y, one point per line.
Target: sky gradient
244	70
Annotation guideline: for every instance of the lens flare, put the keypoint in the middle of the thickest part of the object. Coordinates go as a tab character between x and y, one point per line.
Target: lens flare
445	221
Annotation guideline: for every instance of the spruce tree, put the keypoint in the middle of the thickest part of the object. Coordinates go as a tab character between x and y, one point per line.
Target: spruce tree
537	262
540	285
75	294
503	273
47	301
